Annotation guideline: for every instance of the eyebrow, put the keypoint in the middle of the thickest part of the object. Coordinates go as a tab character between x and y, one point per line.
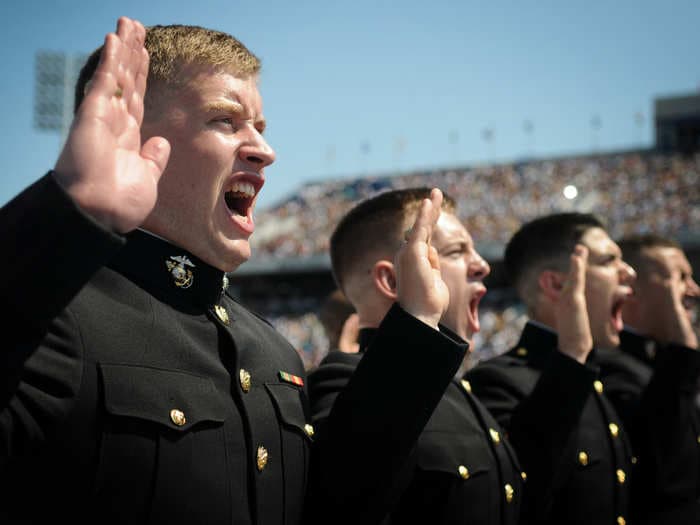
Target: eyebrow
236	109
225	107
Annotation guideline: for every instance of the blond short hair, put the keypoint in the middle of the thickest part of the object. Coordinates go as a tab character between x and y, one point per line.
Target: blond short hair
172	48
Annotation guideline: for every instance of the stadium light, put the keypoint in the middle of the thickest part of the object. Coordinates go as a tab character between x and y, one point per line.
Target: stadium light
55	74
570	192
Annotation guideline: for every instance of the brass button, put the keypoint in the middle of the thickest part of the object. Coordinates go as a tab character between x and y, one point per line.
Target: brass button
244	378
466	386
583	458
698	439
495	436
463	472
178	417
634	460
309	429
523	475
522	352
510	493
621	521
262	458
598	385
614	430
221	313
621	476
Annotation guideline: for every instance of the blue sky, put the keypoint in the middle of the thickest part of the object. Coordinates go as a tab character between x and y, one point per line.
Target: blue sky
382	87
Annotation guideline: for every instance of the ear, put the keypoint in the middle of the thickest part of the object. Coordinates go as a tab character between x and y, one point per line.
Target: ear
551	284
384	279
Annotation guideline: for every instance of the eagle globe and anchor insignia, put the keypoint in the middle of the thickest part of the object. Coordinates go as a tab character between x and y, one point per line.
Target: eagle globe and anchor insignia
178	267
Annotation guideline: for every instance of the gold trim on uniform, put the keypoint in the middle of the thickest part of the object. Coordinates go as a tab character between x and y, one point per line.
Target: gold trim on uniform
614	430
178	417
510	493
245	379
221	313
621	476
467	386
262	458
583	458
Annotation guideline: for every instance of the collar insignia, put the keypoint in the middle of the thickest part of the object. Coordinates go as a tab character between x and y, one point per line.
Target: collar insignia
182	276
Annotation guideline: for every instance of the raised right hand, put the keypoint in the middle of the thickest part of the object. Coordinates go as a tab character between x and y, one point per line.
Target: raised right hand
103	166
573	326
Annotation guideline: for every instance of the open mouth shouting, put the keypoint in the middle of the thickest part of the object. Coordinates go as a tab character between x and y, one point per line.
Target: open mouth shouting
239	197
616	310
473	311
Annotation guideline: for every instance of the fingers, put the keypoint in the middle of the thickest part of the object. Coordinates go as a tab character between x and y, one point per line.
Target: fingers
121	73
577	269
428	216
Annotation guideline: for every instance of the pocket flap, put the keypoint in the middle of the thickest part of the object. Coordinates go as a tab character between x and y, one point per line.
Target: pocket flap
287	400
452	453
175	399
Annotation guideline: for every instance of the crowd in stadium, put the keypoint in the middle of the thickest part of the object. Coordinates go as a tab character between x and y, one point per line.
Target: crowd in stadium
634	193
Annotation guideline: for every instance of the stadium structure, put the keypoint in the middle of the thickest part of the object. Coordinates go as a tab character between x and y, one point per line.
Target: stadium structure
635	191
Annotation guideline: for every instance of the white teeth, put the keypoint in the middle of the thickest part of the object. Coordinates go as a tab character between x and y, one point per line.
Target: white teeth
246	188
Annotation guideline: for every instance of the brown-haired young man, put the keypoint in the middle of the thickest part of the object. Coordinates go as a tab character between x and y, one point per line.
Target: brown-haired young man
134	388
464	470
558	413
659	336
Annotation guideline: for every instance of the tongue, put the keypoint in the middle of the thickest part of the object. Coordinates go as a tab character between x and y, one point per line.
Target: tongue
617	319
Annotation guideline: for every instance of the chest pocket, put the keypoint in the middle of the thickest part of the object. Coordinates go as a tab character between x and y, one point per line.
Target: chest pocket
162	444
453	471
175	400
296	435
455	454
288	403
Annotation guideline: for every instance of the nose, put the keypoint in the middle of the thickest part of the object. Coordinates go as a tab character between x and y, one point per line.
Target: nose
478	267
257	151
692	289
627	273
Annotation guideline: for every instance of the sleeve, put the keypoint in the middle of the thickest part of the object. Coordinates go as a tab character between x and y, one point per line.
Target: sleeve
666	433
538	424
374	422
56	248
44	397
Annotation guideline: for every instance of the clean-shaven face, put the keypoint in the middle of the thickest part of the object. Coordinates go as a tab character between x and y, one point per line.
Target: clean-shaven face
463	271
608	280
207	193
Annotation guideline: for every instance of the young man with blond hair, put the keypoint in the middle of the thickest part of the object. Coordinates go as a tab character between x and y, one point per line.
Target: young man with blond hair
135	389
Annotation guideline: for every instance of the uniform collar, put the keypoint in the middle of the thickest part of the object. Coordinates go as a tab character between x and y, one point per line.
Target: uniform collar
365	338
171	274
537	343
637	345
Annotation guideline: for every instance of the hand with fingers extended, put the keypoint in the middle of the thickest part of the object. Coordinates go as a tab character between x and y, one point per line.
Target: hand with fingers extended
104	166
573	326
420	288
677	326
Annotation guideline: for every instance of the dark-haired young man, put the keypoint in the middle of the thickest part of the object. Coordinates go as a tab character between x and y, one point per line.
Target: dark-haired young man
463	470
548	398
133	387
659	337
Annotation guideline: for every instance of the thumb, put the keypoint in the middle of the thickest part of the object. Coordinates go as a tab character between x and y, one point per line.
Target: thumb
157	150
